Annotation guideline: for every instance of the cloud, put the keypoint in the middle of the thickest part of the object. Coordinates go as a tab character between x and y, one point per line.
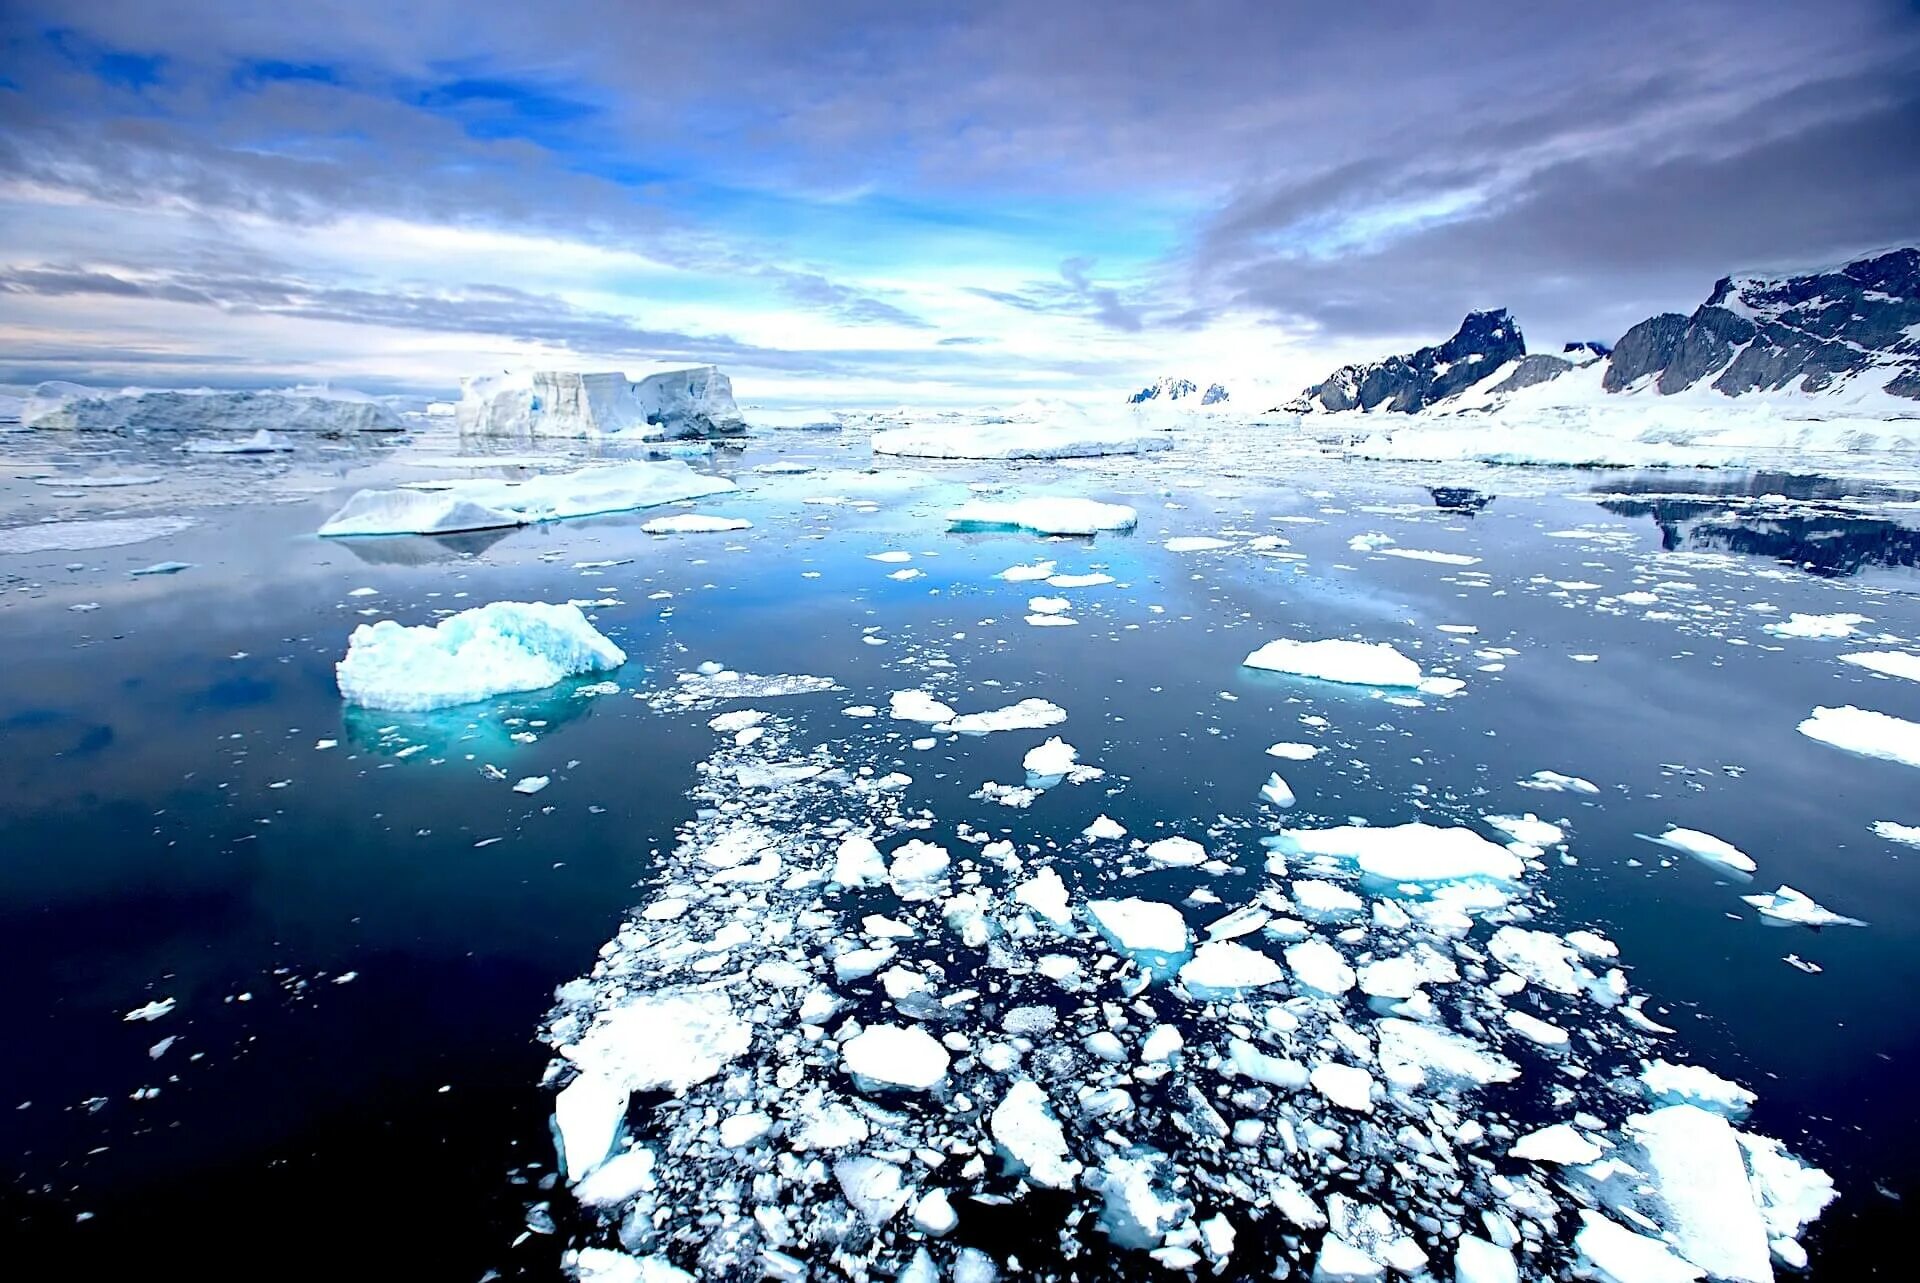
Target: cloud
870	187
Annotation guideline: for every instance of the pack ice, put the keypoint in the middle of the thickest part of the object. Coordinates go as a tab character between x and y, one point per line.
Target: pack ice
490	650
662	405
449	507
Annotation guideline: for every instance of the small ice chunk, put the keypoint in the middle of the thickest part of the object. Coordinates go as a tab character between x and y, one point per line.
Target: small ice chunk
1670	1084
1344	1085
532	783
1104	829
1319	966
1046	514
1221	967
693	523
150	1011
918	706
1477	1261
1559	1143
1818	627
1789	905
889	1057
1141	926
1177	853
1555	782
873	1187
933	1213
1708	848
1415	852
1024	1125
1276	791
1046	895
1027	715
1293	752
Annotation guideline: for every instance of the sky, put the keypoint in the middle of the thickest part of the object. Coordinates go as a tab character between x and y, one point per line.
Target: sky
844	202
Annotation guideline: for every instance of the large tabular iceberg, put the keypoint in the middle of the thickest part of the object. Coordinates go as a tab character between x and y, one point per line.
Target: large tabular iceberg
488	505
662	405
489	650
318	410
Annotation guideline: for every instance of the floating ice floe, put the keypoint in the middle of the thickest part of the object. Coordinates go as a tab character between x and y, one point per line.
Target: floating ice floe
1413	853
1438	558
1866	732
84	536
1141	926
1349	663
1555	782
1219	968
895	1057
1046	514
1789	905
1293	752
1277	791
1196	543
479	653
1891	663
1670	1084
1818	627
1707	848
486	505
1027	715
1905	834
693	523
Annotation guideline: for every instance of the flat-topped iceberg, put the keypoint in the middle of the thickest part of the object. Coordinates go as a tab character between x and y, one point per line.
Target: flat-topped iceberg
487	505
318	410
663	405
1046	514
489	650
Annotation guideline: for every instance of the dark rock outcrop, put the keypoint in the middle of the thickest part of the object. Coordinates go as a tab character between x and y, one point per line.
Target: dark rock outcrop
1172	389
1484	342
1805	333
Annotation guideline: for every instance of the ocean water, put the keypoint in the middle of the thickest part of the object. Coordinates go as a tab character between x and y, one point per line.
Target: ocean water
362	941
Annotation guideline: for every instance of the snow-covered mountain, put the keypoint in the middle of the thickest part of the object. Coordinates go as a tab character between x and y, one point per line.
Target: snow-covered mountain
1485	342
1171	388
1847	337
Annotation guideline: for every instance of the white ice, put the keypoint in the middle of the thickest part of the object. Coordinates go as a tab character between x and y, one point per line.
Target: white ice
1355	663
1707	847
479	653
487	505
1414	852
693	523
902	1057
1046	514
1866	732
1789	905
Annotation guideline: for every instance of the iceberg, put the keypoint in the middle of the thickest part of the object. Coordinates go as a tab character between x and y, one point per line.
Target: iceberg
664	405
1350	662
490	650
485	505
1866	732
320	411
1046	514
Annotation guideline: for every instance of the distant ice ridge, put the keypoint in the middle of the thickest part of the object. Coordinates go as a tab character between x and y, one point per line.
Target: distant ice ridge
445	508
1031	430
663	405
323	411
490	650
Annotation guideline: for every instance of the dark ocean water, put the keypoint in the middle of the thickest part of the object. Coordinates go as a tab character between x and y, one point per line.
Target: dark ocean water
168	827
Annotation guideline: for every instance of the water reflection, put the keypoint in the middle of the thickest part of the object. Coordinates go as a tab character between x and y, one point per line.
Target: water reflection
422	550
1823	525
